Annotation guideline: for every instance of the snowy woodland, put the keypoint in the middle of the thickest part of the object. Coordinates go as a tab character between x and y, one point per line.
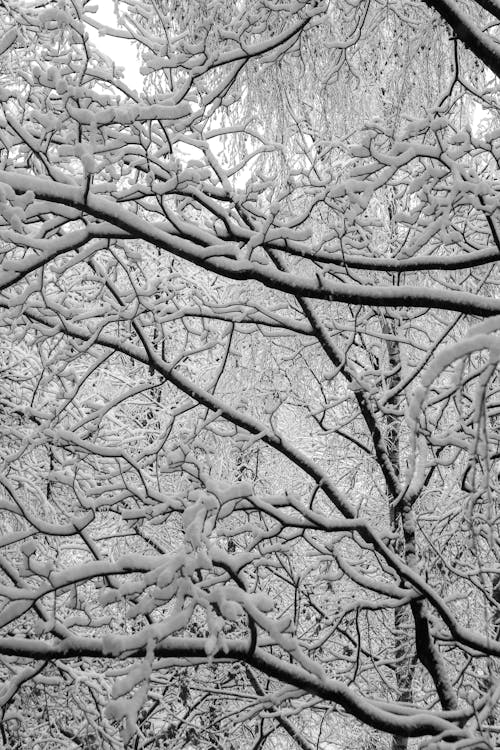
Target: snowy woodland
249	375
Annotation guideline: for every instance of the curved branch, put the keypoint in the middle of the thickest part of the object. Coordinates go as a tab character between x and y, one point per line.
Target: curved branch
393	718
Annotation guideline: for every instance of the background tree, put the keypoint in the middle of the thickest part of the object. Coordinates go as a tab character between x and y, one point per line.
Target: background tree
249	393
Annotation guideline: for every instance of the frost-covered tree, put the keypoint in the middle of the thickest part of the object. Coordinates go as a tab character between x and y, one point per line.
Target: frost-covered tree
249	392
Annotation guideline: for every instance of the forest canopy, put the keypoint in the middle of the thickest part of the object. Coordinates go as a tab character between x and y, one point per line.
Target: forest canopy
250	388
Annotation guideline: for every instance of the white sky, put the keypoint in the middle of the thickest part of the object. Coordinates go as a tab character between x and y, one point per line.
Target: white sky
124	54
121	51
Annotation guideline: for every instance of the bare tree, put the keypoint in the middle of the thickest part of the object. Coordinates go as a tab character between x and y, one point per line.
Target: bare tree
249	444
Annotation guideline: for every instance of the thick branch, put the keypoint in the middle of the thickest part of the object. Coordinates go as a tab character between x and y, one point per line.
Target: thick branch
479	43
393	718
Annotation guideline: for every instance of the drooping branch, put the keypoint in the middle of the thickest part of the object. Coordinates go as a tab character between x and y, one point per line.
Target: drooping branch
390	718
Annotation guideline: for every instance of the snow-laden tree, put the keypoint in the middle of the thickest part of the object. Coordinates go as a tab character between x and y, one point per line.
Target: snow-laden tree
249	393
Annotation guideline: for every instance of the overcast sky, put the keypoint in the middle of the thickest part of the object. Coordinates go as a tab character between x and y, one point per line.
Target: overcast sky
120	50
